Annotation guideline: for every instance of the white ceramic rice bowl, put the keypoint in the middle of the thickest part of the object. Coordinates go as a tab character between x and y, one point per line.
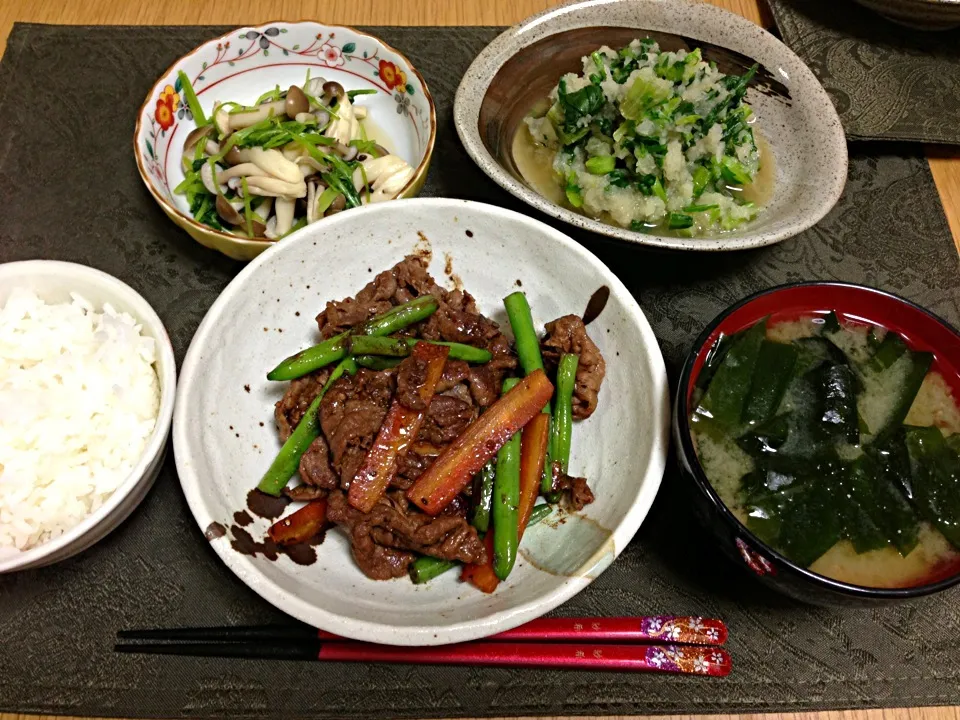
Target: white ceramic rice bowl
53	281
225	438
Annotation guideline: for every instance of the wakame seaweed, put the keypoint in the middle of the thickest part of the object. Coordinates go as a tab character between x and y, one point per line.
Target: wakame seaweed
820	474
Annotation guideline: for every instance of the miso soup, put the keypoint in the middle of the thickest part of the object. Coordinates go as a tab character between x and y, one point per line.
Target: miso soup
836	444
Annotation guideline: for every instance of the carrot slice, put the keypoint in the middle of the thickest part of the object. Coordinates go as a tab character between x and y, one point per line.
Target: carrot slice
398	432
463	458
533	448
482	576
301	525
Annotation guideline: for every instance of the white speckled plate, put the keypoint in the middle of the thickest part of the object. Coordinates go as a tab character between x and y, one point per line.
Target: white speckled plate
224	435
801	124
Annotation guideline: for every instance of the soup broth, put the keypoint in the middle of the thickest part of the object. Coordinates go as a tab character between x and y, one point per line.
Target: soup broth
836	444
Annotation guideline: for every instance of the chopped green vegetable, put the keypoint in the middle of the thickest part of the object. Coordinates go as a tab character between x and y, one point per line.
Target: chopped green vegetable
573	191
644	93
601	164
677	221
192	102
366	91
734	172
247	211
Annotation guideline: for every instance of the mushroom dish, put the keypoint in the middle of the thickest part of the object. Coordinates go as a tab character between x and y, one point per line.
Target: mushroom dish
288	160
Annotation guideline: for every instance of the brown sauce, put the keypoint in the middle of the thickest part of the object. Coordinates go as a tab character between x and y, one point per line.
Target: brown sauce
214	530
266	506
244	543
242	518
596	304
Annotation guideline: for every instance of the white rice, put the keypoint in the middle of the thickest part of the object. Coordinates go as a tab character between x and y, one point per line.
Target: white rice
79	398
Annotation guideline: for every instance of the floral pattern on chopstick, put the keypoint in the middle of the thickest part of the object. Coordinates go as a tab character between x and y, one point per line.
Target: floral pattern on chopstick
694	660
683	630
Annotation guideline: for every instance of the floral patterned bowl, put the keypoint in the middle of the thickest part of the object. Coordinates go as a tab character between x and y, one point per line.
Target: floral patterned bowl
245	63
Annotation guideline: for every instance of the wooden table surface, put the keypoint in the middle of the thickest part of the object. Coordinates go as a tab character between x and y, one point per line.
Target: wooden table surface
944	162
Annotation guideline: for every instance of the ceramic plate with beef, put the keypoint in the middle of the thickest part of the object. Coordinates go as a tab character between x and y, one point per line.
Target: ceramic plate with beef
350	270
427	435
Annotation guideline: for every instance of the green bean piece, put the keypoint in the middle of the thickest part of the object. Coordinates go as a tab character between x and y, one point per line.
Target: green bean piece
313	358
525	336
384	346
401	347
288	459
426	568
401	316
377	362
506	501
481	511
334	349
540	513
528	349
562	429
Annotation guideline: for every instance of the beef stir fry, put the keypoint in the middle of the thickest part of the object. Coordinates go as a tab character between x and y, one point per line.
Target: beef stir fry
419	429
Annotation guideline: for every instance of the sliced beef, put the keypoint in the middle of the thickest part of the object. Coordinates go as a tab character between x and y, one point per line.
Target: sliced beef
460	392
401	283
568	334
315	466
484	385
295	401
350	416
304	493
454	373
375	298
446	419
376	561
410	466
394	524
350	465
411	375
578	494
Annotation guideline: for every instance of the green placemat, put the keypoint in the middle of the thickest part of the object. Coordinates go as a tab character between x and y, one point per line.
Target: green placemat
70	191
887	82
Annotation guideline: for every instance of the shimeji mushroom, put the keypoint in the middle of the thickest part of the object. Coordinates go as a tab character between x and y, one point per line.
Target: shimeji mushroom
345	127
386	176
271	187
237	171
271	181
272	162
193	139
206	175
284	210
227	122
296	103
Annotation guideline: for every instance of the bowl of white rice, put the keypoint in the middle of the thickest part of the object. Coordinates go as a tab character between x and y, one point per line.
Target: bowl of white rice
87	384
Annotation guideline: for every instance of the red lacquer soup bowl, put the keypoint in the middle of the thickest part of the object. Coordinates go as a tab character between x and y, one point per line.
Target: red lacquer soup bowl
854	304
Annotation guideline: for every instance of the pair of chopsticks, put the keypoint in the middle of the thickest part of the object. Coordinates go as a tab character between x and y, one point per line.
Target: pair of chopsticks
625	643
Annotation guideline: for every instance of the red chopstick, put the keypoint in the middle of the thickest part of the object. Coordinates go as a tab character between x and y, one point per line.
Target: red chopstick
658	628
712	662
